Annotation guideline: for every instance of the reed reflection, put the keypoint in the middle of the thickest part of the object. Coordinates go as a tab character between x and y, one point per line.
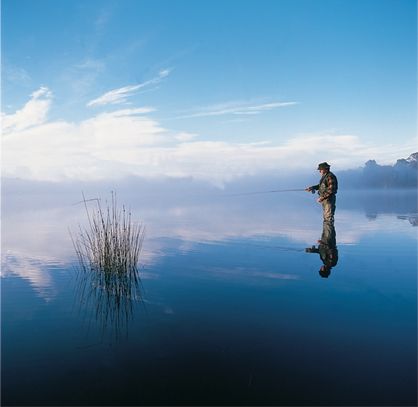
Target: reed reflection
108	250
327	249
108	298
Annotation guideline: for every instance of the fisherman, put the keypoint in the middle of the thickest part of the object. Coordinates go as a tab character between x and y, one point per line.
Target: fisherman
327	189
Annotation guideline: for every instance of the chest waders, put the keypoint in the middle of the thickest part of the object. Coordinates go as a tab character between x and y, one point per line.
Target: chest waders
328	204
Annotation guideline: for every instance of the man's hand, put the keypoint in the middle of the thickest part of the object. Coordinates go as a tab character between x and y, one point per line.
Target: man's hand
319	200
308	189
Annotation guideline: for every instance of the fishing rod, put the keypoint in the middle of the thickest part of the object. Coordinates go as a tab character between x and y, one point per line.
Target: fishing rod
269	192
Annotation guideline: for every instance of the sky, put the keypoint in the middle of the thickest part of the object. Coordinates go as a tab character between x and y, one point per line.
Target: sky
210	90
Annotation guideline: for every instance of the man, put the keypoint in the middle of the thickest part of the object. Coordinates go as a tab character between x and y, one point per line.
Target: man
327	189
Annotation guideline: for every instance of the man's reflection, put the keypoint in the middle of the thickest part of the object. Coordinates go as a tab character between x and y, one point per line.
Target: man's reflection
327	249
413	219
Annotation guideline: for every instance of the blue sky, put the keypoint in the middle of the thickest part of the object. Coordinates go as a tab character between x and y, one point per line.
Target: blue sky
210	89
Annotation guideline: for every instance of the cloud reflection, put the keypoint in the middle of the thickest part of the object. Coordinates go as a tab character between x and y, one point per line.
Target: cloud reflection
251	273
36	234
37	271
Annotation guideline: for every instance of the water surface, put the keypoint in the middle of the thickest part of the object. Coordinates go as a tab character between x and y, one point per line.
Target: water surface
233	309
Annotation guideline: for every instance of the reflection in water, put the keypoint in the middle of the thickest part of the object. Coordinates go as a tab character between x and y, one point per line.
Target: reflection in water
230	308
38	271
108	254
327	249
108	298
413	219
36	231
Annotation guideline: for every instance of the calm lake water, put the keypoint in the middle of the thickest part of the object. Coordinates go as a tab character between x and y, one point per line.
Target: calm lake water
233	309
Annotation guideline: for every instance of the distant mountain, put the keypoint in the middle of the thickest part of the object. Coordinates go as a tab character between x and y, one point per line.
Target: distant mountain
411	161
403	174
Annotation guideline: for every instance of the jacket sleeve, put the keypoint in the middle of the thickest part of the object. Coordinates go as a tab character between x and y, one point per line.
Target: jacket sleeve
314	187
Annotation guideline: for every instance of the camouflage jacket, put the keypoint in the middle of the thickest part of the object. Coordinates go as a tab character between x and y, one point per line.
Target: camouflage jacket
328	185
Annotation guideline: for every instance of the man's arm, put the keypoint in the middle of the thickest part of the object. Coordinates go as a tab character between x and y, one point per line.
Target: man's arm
312	188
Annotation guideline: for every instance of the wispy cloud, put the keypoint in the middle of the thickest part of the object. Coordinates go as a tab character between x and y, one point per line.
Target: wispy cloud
127	142
103	18
235	108
82	78
15	74
120	95
33	112
90	64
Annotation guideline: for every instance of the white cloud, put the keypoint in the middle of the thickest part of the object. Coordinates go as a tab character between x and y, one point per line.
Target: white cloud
235	108
185	136
129	112
120	95
33	113
128	142
164	72
115	96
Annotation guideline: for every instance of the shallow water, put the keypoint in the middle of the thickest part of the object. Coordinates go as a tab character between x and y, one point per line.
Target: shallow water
233	310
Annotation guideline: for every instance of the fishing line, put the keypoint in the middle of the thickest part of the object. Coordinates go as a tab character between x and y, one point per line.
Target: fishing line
267	192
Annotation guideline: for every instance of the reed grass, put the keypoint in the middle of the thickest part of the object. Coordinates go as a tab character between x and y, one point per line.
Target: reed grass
108	251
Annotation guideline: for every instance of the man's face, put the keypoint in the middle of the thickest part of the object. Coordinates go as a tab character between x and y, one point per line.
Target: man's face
322	172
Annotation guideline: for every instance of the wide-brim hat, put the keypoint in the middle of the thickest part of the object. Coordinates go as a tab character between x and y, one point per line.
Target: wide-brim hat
324	166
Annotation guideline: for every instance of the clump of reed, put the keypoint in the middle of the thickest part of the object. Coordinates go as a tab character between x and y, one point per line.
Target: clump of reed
108	251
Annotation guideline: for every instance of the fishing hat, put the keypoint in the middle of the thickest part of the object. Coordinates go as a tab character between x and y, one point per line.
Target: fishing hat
324	166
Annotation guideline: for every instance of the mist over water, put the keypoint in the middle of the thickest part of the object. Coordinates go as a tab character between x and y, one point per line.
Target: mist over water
233	309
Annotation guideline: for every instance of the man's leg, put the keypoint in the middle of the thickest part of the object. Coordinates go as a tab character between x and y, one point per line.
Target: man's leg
328	207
